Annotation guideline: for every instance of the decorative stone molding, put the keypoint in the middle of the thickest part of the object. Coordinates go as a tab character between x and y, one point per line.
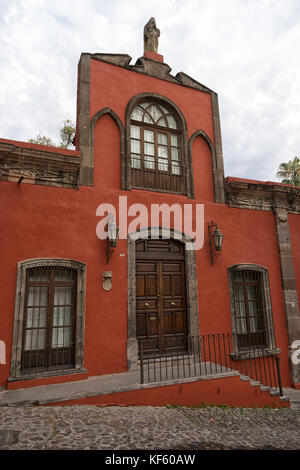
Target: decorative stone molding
23	266
216	163
266	196
38	166
282	200
119	123
122	60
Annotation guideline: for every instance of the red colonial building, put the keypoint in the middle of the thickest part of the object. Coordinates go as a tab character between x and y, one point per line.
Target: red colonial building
151	316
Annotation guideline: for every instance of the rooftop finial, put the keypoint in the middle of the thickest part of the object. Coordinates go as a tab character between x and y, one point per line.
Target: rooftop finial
151	35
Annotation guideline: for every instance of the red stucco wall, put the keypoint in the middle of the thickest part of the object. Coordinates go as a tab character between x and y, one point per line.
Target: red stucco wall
229	391
41	221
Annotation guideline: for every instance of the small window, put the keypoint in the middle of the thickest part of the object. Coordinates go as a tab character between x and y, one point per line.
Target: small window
156	149
49	317
251	308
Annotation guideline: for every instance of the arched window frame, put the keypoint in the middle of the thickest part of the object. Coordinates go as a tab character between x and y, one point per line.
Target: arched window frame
16	371
182	129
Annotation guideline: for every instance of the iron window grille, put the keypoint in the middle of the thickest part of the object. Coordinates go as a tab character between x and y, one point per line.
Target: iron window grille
251	310
48	334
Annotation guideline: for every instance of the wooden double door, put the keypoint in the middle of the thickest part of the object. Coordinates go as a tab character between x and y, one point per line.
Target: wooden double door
161	315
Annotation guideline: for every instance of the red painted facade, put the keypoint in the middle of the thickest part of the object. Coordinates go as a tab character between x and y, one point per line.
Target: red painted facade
42	221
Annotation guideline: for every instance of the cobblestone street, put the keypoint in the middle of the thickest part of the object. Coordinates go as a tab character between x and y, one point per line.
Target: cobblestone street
144	428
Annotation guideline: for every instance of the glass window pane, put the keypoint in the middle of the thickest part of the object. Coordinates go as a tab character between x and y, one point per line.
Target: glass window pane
162	139
174	140
162	122
171	122
62	316
148	136
148	119
62	296
135	132
38	274
148	149
162	151
61	337
135	161
176	170
137	113
237	276
163	164
241	325
37	296
238	293
64	274
36	317
135	146
252	292
149	162
155	112
145	104
35	339
175	153
254	324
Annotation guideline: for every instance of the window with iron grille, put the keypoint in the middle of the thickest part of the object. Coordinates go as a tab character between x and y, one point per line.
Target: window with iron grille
156	149
49	317
251	309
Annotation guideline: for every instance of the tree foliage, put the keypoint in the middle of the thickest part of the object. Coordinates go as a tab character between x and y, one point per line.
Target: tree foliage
289	172
67	135
42	140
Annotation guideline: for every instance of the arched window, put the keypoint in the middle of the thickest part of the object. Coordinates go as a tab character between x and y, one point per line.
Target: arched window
156	145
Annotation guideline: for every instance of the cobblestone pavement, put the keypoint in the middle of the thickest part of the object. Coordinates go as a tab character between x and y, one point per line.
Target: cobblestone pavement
146	427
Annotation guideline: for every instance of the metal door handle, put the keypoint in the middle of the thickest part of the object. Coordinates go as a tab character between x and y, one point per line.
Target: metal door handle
173	303
146	304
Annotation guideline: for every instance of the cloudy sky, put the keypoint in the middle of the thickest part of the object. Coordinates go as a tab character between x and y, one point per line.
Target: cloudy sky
245	50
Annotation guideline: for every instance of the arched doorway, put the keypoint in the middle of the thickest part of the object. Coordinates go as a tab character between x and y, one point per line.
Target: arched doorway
161	313
157	236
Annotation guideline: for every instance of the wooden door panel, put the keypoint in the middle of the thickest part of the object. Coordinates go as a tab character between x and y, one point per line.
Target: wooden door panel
140	286
177	286
172	267
146	267
151	284
167	285
173	303
147	324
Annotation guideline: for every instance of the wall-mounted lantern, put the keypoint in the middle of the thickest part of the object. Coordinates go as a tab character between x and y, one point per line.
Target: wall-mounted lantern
112	237
215	241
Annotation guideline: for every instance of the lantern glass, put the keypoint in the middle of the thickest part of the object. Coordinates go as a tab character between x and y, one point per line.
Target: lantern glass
218	239
113	233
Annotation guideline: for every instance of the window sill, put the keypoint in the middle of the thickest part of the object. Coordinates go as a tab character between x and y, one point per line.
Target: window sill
254	353
47	373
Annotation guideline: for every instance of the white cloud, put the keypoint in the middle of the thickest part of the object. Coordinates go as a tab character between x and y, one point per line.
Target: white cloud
247	51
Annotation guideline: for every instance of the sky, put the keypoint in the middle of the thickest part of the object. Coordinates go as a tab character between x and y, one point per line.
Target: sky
247	51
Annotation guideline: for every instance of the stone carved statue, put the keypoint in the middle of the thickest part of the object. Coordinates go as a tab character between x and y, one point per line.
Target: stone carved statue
151	35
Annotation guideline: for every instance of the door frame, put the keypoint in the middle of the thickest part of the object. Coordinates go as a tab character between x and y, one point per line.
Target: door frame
190	279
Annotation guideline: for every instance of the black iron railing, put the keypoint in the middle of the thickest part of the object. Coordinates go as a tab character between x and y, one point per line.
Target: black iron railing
207	355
